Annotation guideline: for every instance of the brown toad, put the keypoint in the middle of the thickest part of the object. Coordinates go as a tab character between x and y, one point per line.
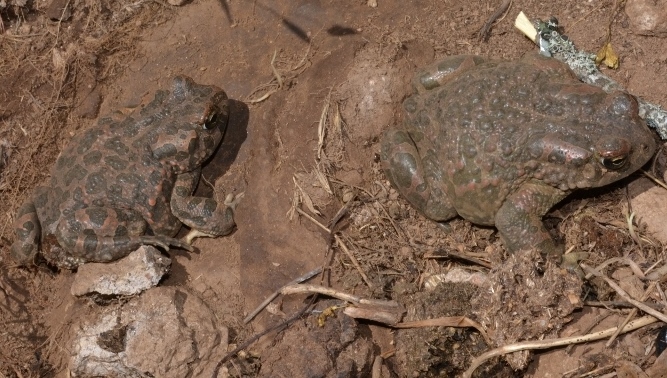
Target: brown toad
129	182
500	143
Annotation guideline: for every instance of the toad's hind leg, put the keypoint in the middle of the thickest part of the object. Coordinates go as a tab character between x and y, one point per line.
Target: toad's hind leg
28	232
100	234
406	170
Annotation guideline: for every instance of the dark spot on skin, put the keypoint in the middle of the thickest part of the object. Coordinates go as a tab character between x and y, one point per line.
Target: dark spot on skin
428	81
116	163
90	244
25	230
139	198
417	136
97	216
183	156
400	138
75	173
556	156
88	139
96	183
182	191
129	179
115	192
410	105
41	200
209	207
416	200
193	203
192	146
68	242
423	120
468	147
200	221
165	151
65	161
155	178
159	210
93	157
120	231
117	145
105	121
170	130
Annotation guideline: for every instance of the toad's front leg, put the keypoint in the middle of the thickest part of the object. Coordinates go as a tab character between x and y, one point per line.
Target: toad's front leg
519	219
206	216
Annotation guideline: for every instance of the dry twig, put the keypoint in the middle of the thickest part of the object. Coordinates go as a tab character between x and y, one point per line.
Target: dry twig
273	296
625	295
483	33
551	343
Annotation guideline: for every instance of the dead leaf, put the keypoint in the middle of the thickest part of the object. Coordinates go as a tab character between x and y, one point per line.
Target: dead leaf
607	56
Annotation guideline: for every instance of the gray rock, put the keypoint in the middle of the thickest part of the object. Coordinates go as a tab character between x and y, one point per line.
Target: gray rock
139	271
648	17
166	332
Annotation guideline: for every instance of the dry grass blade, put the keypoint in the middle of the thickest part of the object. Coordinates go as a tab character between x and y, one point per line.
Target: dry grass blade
277	82
631	315
322	179
354	261
631	228
551	343
322	126
388	312
306	198
625	295
271	297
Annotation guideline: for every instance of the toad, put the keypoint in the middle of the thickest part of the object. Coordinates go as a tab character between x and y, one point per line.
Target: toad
129	181
500	143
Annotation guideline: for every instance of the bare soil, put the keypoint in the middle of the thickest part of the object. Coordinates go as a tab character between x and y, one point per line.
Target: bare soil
309	140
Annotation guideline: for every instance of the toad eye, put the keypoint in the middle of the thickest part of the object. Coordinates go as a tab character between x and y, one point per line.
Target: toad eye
615	163
210	121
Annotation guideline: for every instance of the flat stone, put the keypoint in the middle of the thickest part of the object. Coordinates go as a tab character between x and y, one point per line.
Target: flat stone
138	271
648	17
166	332
649	203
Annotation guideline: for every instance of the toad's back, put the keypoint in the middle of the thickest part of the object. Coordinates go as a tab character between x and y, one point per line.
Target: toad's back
494	126
500	143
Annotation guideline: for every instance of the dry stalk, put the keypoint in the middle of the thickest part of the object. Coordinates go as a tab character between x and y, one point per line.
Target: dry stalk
305	198
322	125
354	261
631	315
447	321
273	296
388	312
654	179
551	343
625	295
278	80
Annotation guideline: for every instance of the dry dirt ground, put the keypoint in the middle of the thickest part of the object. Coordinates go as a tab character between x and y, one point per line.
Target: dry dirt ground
310	141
